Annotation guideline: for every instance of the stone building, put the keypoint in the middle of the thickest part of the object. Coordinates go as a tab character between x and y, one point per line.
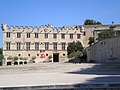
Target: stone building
39	42
105	51
44	41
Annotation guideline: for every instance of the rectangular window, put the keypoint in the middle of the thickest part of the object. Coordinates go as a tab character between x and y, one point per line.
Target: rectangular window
54	46
36	35
63	46
78	36
36	45
55	35
7	45
46	35
46	45
8	34
84	33
71	36
18	45
28	35
27	45
63	35
18	35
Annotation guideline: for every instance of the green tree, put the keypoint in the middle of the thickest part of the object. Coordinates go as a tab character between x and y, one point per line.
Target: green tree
74	48
75	54
71	47
91	41
106	34
1	56
1	51
91	22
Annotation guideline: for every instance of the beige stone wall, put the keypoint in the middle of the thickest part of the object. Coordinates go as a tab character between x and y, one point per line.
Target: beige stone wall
107	50
86	31
41	39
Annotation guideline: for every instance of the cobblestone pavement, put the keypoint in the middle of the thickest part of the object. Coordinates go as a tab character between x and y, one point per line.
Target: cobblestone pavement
58	74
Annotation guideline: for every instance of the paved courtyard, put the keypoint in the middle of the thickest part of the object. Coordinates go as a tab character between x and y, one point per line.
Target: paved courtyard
42	74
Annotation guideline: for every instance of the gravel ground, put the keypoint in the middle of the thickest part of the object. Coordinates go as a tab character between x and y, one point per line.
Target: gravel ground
57	74
42	68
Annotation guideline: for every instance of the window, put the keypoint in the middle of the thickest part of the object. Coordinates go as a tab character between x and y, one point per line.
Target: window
63	36
37	54
54	46
36	35
27	45
7	45
84	33
63	46
19	55
54	35
36	45
71	36
18	35
46	35
46	45
28	35
18	46
63	54
78	36
8	34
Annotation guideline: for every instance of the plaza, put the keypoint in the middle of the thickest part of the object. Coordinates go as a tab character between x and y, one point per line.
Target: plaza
44	75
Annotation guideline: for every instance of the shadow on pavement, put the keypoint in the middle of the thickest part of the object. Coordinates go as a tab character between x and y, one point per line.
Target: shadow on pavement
99	69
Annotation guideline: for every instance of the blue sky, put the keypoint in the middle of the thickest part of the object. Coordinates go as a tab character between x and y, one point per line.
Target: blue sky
57	12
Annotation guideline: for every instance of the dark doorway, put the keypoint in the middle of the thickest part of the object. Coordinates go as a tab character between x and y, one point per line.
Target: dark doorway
55	57
9	63
20	63
15	63
25	62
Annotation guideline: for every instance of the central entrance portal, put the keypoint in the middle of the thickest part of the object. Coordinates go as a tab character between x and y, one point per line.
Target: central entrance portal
55	57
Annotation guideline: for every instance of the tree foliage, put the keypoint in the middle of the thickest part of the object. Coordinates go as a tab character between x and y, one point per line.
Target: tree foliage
91	22
74	48
105	34
75	54
15	58
1	54
91	41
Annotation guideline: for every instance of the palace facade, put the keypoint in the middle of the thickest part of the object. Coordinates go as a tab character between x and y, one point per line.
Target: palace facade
46	41
39	42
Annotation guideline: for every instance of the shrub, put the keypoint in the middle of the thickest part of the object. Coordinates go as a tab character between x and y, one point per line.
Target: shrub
15	58
50	57
1	57
9	57
75	54
23	58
